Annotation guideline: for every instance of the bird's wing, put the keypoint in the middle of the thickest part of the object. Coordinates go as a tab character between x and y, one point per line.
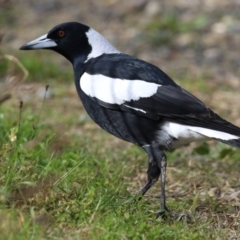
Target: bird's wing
130	85
122	82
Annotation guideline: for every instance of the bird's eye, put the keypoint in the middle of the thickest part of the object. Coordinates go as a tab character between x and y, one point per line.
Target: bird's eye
61	33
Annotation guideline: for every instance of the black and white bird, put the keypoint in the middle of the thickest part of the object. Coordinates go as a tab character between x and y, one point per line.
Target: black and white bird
134	100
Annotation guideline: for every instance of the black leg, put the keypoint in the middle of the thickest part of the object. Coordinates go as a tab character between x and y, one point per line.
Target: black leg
153	175
164	211
153	171
158	164
163	166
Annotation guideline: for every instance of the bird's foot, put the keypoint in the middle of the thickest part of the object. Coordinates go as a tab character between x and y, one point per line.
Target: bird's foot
167	214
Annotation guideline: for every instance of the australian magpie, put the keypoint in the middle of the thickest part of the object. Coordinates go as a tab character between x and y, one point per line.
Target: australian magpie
134	100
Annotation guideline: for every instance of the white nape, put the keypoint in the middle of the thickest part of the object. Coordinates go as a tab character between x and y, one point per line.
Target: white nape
99	44
115	90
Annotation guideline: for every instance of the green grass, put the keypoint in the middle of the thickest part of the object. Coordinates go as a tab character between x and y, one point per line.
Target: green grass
61	177
33	61
85	193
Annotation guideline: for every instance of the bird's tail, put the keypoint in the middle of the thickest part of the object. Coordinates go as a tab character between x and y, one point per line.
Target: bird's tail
234	142
226	136
214	128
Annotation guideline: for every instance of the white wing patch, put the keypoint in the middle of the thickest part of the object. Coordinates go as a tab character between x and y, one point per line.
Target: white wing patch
99	44
115	90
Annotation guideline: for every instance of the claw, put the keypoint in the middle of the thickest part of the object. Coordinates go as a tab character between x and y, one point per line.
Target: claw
166	214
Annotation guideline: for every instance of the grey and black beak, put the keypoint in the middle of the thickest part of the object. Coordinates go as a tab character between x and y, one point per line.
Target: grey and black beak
40	43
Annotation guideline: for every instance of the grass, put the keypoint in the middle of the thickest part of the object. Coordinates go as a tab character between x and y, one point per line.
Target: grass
61	177
36	71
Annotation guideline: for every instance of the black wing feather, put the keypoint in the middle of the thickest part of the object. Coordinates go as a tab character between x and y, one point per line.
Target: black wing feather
170	100
126	67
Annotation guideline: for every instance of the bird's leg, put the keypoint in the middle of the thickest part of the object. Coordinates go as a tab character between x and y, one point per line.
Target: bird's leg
164	211
157	163
153	175
153	171
163	167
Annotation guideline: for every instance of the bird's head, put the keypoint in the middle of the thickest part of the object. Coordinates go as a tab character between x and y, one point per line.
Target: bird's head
75	41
